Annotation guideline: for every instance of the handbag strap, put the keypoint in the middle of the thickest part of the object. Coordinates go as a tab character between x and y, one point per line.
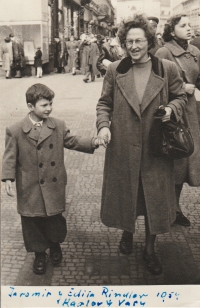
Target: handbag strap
182	69
161	74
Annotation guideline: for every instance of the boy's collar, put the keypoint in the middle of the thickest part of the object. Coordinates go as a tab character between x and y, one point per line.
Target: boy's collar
39	123
27	124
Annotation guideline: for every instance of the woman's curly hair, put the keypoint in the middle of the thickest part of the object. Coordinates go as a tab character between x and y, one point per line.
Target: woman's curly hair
170	25
138	21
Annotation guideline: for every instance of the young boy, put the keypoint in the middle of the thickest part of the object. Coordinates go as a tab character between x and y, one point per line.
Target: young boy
34	157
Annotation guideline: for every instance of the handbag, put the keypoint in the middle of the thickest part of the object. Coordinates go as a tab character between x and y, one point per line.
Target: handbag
170	139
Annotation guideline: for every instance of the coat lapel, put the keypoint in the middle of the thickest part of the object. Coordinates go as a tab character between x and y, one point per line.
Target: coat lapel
46	131
47	128
126	85
154	86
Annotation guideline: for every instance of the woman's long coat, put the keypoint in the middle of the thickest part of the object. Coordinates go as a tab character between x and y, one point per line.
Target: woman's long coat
72	53
188	169
127	155
6	56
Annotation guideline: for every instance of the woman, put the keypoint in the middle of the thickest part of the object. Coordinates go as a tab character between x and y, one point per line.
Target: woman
177	33
72	49
135	183
7	56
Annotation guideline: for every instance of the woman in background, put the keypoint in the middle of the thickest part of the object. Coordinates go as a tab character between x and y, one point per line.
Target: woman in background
177	33
72	49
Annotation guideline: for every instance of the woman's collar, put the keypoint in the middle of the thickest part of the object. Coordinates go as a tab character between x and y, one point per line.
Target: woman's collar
177	50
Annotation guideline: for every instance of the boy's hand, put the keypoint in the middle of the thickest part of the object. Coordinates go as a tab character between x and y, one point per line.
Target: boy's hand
9	188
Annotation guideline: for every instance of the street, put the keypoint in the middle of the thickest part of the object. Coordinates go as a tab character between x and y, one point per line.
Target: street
90	250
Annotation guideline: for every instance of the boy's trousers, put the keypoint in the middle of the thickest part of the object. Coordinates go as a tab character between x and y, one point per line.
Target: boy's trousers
40	232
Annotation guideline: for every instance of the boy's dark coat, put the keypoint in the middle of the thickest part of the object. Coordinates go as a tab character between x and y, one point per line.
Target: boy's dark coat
38	167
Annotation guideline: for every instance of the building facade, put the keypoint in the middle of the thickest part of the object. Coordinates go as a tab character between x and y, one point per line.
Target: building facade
38	22
192	9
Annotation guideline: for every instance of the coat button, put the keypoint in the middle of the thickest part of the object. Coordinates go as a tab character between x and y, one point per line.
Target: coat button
41	165
54	179
53	163
51	146
41	181
39	147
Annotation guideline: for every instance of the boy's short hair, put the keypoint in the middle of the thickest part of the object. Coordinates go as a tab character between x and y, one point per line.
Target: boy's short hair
38	91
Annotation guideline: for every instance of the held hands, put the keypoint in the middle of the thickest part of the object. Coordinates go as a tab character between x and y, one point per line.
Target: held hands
189	88
104	136
9	188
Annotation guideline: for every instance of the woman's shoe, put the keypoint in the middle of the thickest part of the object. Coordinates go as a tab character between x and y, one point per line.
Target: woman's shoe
74	73
153	264
39	264
182	220
86	80
126	243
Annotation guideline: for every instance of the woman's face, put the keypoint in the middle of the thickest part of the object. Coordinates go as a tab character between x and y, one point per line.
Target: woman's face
182	30
137	45
71	38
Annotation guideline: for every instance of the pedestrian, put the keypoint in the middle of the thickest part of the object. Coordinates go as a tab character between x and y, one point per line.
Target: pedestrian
134	182
111	51
93	54
72	49
38	62
177	33
18	56
34	158
58	55
154	21
7	56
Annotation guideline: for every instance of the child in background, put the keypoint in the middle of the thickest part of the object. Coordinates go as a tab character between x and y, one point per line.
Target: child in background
38	62
34	158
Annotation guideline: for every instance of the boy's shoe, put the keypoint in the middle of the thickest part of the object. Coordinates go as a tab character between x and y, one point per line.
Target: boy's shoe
55	253
153	264
39	264
126	243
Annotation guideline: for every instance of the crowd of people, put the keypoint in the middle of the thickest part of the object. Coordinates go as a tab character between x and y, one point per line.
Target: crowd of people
140	69
12	55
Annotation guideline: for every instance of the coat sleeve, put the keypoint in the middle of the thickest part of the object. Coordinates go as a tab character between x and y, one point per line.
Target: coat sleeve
177	95
78	143
9	157
105	104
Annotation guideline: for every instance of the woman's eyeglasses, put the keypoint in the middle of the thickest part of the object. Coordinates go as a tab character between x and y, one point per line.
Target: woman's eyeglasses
138	42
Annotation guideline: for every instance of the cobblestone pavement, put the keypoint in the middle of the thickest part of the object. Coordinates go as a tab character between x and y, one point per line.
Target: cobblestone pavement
90	251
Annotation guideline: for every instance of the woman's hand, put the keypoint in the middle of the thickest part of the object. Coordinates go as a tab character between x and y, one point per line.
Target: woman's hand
104	136
167	116
189	88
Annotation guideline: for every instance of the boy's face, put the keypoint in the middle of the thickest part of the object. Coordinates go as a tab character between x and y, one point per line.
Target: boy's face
41	110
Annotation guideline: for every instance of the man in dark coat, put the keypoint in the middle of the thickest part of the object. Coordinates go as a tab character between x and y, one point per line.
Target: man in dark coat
154	21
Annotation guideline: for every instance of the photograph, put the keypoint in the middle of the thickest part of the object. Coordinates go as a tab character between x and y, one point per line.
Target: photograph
100	153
